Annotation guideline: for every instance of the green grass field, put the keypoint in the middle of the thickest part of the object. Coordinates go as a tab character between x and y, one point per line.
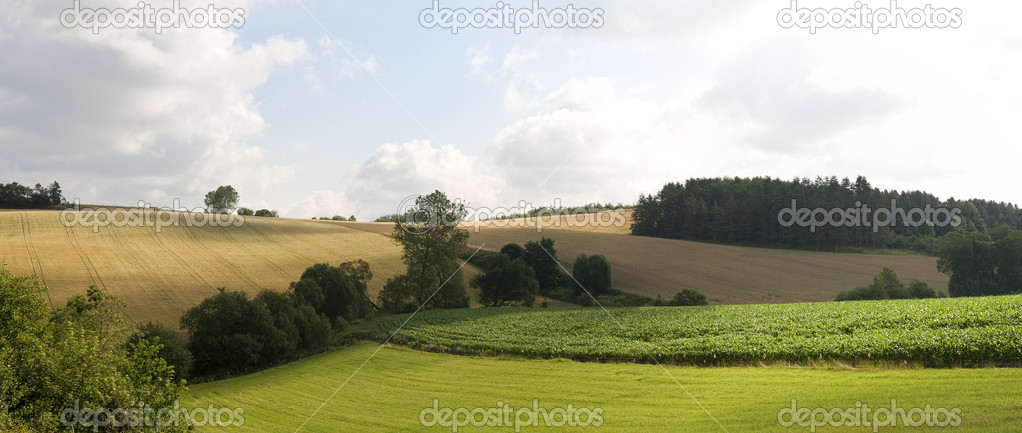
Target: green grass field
388	393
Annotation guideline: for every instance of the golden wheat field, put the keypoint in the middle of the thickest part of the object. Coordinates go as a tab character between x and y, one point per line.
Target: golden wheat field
161	274
726	274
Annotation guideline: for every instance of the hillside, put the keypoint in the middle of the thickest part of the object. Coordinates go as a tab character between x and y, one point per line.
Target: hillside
726	274
162	274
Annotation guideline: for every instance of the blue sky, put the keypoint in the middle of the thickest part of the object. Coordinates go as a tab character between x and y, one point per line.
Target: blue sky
338	107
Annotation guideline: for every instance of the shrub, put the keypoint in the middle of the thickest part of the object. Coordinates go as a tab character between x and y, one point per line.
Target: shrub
592	273
507	281
688	297
172	348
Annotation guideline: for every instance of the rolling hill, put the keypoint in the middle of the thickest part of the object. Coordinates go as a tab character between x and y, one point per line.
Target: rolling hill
161	274
726	274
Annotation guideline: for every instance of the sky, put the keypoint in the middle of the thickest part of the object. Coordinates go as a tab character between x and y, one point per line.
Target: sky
321	108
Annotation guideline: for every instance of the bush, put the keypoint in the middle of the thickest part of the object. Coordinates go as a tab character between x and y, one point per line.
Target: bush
512	250
886	285
171	348
507	281
337	291
80	354
862	293
688	297
543	258
920	290
229	333
592	275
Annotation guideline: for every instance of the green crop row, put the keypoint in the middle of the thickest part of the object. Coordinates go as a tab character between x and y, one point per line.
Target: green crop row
935	332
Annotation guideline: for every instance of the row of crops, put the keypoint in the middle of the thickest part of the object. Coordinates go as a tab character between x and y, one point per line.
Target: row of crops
934	332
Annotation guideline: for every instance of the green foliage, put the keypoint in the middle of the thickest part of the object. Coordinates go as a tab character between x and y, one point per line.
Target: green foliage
863	293
543	258
886	285
266	213
305	330
688	298
507	282
745	211
513	250
229	333
244	211
592	275
17	196
221	200
431	240
338	292
172	349
80	354
920	290
935	332
888	280
980	264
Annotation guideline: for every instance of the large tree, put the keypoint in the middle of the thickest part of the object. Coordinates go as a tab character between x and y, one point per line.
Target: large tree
593	275
507	281
224	199
431	239
543	258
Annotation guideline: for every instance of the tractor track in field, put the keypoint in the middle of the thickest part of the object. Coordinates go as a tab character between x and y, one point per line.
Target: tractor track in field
291	233
278	245
242	245
86	260
143	269
184	264
26	235
233	268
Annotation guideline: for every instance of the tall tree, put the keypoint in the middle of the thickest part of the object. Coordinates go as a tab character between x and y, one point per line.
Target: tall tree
543	258
507	281
431	240
224	199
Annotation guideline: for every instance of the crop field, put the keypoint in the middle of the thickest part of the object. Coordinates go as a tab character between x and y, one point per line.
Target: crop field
933	332
161	274
726	274
341	392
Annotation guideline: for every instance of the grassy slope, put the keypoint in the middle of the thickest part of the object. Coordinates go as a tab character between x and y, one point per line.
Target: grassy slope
162	274
726	274
388	393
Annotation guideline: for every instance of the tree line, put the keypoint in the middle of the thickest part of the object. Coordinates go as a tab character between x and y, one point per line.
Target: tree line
745	211
17	196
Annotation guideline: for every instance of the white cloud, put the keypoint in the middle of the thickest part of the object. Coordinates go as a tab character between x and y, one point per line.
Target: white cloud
478	57
518	56
174	111
396	171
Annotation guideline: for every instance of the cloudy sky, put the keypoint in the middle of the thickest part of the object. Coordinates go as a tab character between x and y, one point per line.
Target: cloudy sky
317	107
